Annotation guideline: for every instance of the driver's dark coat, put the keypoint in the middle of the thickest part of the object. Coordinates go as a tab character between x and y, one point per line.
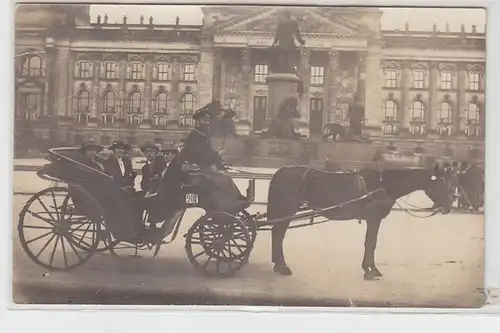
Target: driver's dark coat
198	150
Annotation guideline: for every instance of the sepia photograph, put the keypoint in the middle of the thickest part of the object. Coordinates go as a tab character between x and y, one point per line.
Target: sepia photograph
249	155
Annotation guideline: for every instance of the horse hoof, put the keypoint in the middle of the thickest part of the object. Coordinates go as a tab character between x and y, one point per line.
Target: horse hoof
377	274
283	270
370	276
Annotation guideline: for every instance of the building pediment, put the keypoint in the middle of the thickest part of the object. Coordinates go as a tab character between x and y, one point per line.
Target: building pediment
310	20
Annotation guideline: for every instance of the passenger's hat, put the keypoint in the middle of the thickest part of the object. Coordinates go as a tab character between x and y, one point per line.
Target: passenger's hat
149	145
170	149
90	144
119	144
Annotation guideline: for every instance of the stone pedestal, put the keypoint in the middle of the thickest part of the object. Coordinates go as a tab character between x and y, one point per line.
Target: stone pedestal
279	86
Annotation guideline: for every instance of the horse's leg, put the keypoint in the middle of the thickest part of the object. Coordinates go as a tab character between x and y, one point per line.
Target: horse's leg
278	235
368	264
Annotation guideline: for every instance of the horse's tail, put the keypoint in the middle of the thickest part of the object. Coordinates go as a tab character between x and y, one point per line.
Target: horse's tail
284	191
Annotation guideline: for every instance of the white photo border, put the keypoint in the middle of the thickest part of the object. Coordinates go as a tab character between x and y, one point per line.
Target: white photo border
74	318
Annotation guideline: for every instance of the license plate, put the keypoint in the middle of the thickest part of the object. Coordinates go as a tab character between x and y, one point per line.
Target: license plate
191	198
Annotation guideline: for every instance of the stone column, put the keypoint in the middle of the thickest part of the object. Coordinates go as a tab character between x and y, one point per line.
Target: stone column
244	84
96	90
433	109
176	96
404	108
217	75
333	84
205	75
373	89
49	89
148	90
361	75
64	71
304	74
458	112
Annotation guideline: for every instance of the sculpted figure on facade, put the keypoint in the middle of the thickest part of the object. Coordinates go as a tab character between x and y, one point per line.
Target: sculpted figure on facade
286	54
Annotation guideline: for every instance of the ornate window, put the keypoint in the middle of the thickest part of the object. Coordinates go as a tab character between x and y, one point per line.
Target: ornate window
136	71
418	111
260	73
446	80
445	113
82	118
160	120
110	70
445	130
341	112
472	114
418	79
474	81
84	70
108	113
391	78
163	71
33	66
188	105
390	129
188	72
134	102
317	75
83	99
161	102
30	105
390	110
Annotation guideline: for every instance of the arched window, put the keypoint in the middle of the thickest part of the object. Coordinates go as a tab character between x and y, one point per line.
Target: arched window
134	102
445	113
161	102
83	101
109	101
472	114
32	66
188	103
418	111
390	110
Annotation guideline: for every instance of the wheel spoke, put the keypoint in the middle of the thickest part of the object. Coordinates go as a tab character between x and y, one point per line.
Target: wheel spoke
45	246
73	247
64	253
55	205
37	227
39	237
199	254
207	261
54	251
80	241
46	209
44	219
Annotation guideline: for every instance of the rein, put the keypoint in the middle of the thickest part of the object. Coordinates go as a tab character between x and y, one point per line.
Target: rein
407	211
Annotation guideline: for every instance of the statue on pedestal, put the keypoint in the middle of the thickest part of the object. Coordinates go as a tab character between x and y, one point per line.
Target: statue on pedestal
282	127
286	55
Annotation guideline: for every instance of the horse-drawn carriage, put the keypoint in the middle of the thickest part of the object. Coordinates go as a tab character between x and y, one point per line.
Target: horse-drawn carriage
89	213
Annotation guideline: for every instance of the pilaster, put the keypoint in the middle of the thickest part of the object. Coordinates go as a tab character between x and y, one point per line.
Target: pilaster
433	109
148	90
404	108
333	83
122	88
63	71
244	84
458	111
205	76
176	95
304	74
96	89
373	87
217	75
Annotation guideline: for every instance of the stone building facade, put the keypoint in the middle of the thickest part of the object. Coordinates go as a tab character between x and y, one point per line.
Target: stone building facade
141	80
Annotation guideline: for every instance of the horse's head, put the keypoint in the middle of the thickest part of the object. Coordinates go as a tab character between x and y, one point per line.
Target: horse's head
438	186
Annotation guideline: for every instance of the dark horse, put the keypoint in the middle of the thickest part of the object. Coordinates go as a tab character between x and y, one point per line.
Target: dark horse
295	186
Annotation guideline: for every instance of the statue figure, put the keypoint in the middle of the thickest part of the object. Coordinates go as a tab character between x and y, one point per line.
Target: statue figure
177	20
141	19
286	54
282	127
105	18
151	20
98	19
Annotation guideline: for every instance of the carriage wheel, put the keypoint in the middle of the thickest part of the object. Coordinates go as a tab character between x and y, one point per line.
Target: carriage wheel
251	225
54	237
218	244
68	208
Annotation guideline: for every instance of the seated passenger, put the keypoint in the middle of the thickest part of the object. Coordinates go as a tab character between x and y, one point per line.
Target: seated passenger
119	166
169	153
89	150
198	150
152	171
